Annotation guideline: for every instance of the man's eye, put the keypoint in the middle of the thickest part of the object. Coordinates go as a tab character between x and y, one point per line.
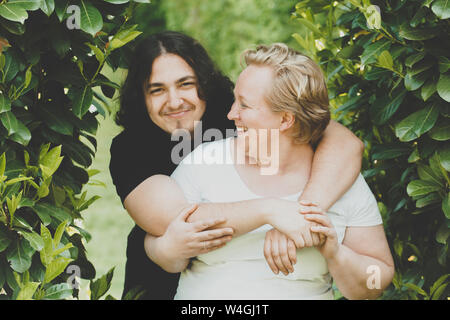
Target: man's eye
187	84
243	106
153	91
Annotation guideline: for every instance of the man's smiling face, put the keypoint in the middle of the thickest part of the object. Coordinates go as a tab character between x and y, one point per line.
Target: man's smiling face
171	95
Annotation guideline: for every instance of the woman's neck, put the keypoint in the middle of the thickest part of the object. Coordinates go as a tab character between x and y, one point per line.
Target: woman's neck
284	157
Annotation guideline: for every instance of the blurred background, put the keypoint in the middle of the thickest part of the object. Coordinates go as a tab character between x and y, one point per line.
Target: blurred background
225	28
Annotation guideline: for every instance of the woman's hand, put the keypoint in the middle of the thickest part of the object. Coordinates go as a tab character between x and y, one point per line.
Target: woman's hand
285	216
280	252
329	246
183	239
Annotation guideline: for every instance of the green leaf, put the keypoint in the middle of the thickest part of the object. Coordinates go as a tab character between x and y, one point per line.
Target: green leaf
123	37
416	289
51	161
441	131
56	119
22	135
444	158
19	256
5	103
311	26
441	236
414	82
100	286
11	67
61	9
421	188
444	64
13	12
421	67
52	211
371	53
439	291
438	283
27	291
443	87
417	33
58	292
62	250
55	268
385	60
426	173
58	234
413	59
118	1
4	241
428	89
29	5
82	101
98	53
46	253
34	239
385	107
446	205
48	6
2	164
389	151
10	122
91	20
441	8
417	123
428	199
414	156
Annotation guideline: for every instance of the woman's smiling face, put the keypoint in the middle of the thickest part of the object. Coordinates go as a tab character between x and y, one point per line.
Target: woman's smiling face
251	110
171	95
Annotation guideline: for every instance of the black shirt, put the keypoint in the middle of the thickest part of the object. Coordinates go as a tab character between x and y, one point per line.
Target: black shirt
137	154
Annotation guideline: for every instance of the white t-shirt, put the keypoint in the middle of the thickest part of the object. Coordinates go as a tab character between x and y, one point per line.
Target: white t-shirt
239	270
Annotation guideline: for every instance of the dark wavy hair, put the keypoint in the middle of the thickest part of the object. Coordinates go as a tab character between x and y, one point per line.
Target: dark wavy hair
213	87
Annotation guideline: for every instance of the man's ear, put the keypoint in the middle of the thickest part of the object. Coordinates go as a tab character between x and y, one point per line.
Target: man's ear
287	121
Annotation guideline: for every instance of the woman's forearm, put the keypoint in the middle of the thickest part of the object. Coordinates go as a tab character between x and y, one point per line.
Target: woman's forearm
358	276
155	250
241	216
336	165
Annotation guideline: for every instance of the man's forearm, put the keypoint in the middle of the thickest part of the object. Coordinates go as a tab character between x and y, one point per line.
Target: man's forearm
336	165
359	276
155	250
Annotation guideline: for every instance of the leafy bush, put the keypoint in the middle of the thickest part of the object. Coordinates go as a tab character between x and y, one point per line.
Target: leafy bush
387	65
52	53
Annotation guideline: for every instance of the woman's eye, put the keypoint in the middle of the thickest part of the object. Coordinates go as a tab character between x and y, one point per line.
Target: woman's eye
187	84
243	106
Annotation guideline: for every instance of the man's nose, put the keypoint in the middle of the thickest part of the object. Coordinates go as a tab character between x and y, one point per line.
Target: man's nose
234	113
174	99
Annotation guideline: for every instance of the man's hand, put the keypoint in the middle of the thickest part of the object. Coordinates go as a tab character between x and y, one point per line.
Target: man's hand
185	240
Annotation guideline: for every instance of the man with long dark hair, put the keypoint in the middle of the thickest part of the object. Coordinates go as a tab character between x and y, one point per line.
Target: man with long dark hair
171	84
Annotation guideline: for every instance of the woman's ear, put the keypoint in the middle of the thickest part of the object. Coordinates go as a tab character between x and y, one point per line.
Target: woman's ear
287	121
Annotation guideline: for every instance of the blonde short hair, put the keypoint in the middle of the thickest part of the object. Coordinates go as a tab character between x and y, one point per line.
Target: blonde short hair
299	88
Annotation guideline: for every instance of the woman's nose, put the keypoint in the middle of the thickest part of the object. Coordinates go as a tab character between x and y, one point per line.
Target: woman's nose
233	114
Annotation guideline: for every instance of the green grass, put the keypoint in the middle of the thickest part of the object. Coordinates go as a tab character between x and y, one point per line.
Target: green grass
106	219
